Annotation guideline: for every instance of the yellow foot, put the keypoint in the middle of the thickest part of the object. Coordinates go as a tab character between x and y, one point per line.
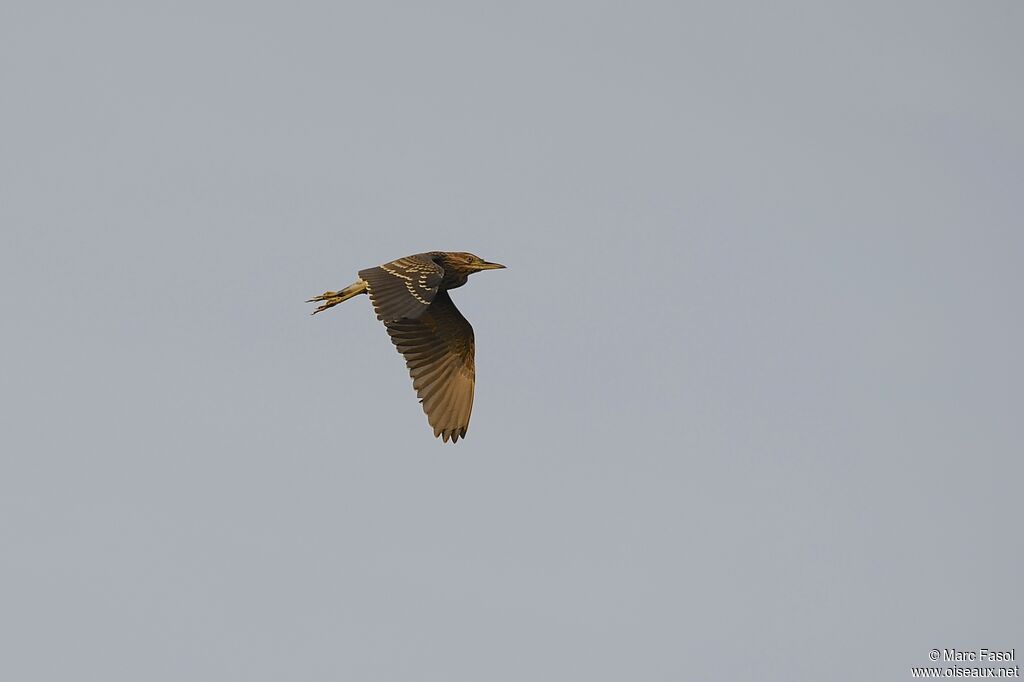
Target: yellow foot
333	298
330	299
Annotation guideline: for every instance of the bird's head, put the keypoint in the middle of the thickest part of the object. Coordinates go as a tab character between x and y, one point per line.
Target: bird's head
468	263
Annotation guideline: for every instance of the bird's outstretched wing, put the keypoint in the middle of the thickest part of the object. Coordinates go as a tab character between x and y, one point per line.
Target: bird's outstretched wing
404	287
438	349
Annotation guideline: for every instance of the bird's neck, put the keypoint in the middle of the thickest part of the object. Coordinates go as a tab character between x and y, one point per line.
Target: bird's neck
453	280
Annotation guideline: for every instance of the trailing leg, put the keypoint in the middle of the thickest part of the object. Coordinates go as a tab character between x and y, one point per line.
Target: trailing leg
329	299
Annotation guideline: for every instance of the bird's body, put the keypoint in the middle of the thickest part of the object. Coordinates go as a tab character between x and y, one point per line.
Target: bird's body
410	296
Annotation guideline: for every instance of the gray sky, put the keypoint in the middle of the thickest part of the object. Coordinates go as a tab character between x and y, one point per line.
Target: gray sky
749	394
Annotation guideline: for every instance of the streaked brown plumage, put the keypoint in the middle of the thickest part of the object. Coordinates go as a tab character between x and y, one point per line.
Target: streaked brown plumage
410	296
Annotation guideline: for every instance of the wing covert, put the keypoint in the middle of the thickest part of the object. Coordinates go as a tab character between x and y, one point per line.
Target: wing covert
403	288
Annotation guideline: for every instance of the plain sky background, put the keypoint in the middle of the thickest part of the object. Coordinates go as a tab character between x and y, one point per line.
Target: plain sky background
749	397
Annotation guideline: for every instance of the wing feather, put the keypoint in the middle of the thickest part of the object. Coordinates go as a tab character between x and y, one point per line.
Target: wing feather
403	288
439	349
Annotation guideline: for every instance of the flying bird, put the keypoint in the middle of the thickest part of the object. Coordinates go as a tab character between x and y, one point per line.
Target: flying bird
410	296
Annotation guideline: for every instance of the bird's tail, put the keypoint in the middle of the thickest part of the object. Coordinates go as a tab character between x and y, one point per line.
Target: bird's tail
329	299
